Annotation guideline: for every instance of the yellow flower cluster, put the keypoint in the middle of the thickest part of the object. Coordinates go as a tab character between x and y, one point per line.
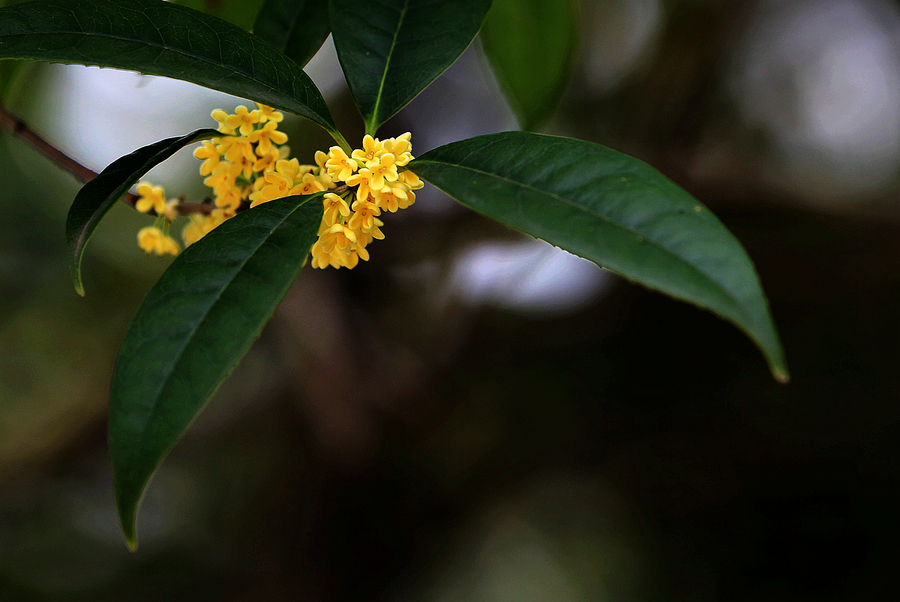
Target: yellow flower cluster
156	239
351	219
248	166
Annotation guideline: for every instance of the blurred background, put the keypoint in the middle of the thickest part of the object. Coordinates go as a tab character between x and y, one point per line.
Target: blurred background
474	415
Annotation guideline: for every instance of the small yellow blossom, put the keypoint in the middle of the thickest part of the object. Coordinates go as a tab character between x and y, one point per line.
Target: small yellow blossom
362	179
242	167
267	161
338	165
152	240
410	179
211	157
240	147
335	207
243	119
277	186
383	169
288	168
265	136
308	184
364	214
400	147
338	237
230	199
201	225
221	180
151	197
221	116
371	149
268	114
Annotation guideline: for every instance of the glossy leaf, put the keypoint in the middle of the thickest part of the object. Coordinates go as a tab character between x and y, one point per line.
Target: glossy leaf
392	49
296	27
99	195
192	329
161	38
613	210
531	45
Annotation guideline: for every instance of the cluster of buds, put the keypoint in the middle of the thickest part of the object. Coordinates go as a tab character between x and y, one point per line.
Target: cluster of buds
248	166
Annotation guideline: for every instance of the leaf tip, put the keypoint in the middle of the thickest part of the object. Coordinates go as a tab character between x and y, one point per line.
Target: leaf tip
781	375
76	281
130	532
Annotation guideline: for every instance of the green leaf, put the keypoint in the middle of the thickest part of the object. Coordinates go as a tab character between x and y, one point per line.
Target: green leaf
192	329
99	195
531	46
161	38
392	49
613	210
296	27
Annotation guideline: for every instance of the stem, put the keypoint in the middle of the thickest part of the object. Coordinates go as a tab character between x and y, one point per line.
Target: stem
341	141
20	129
83	174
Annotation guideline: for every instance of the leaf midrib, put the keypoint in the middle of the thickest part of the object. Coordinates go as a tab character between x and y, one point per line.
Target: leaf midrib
151	44
387	65
206	314
608	220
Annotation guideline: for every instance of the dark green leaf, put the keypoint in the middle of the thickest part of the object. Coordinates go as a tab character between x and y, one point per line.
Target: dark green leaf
161	38
193	328
98	196
531	45
296	27
240	12
392	49
614	210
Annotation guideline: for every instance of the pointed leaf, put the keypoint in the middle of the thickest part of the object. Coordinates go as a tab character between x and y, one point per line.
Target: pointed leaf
298	28
192	329
161	38
99	195
614	210
392	49
531	46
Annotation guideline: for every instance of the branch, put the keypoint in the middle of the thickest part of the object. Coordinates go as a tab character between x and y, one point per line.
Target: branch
21	130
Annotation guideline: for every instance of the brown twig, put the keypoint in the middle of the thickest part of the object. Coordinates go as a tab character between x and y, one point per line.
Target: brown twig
84	174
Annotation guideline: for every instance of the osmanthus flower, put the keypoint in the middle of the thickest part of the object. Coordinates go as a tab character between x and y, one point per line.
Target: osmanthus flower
371	148
267	161
265	136
151	198
152	240
268	114
210	156
310	184
383	170
362	180
243	119
222	117
337	164
248	166
238	147
335	207
276	186
201	225
363	218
